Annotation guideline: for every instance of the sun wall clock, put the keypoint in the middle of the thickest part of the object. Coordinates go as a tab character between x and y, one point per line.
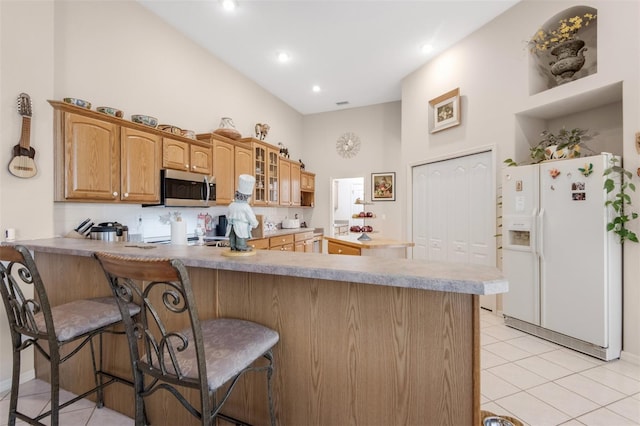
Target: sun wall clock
348	145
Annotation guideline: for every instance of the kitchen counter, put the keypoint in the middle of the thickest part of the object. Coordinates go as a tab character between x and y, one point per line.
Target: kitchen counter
438	276
363	340
377	246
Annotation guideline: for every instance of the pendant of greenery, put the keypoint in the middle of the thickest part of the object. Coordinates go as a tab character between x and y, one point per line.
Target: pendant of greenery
622	198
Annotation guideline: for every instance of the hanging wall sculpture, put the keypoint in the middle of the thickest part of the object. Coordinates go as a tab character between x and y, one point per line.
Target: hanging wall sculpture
564	49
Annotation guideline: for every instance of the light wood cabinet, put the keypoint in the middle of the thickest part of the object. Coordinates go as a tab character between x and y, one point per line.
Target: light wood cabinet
99	159
259	244
337	248
289	183
282	243
230	160
266	171
307	181
189	157
140	154
304	242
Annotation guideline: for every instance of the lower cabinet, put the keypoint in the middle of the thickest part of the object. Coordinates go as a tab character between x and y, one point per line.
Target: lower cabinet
282	242
336	248
304	242
299	241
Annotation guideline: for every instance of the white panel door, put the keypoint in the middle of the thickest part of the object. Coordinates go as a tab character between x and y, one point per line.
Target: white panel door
454	212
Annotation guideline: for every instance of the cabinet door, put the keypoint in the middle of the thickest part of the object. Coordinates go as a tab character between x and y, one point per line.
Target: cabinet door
260	195
140	160
223	171
273	176
175	154
244	162
91	159
201	159
295	184
285	183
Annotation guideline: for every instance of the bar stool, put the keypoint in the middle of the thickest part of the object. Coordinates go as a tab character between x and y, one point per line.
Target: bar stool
206	355
33	322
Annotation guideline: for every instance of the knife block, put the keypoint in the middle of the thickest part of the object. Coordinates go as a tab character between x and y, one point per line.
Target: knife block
75	234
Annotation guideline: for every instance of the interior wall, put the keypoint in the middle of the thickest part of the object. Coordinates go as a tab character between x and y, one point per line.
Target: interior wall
491	69
26	65
378	127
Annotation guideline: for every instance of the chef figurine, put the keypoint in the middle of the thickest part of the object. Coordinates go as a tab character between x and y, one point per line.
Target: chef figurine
240	217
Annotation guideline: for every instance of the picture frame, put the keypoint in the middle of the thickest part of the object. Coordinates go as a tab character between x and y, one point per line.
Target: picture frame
383	186
445	111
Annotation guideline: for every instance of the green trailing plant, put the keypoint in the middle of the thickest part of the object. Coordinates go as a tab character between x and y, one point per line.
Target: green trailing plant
566	142
621	199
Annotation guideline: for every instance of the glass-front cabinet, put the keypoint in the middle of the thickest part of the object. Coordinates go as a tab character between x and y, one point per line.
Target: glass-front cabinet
260	156
274	156
266	173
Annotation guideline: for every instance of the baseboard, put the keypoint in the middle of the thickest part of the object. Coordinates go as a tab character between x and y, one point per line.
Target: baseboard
5	385
629	357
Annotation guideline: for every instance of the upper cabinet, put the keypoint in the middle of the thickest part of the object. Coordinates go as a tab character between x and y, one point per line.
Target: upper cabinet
266	169
99	158
307	189
187	156
289	183
230	159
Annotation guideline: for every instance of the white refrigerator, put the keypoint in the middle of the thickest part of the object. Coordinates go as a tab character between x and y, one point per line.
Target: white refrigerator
564	269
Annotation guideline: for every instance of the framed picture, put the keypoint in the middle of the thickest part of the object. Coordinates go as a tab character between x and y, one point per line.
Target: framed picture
445	111
383	186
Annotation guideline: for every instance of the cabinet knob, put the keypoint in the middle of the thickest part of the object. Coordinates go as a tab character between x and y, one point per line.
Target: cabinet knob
126	194
339	251
115	194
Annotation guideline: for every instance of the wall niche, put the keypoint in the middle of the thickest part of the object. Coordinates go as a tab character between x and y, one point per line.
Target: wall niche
564	49
598	110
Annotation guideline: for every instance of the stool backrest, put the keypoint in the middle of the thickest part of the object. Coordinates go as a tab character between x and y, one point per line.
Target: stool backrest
162	289
18	273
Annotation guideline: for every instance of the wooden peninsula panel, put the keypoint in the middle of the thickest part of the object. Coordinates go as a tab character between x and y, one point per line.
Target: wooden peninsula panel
390	348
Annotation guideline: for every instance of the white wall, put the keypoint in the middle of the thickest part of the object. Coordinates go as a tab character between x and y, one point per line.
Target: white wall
491	69
115	54
378	127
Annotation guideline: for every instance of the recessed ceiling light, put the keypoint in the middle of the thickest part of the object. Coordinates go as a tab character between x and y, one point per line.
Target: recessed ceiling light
426	48
283	57
316	89
229	5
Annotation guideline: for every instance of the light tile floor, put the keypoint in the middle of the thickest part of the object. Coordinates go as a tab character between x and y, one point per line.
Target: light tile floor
542	383
522	376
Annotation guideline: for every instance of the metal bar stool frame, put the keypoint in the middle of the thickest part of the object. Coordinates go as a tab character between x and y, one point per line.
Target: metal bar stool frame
32	321
134	280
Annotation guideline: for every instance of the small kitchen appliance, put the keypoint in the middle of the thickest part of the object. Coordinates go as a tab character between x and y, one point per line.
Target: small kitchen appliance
110	231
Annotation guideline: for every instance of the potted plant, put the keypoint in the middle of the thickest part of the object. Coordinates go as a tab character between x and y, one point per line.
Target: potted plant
565	144
621	198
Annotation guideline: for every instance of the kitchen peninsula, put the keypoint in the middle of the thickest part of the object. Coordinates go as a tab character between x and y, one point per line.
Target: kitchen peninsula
363	340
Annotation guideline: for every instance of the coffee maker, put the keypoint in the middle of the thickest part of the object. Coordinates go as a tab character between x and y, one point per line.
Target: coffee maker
221	227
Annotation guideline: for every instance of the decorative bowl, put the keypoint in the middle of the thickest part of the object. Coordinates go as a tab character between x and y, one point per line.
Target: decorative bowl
78	102
189	134
145	119
110	111
170	128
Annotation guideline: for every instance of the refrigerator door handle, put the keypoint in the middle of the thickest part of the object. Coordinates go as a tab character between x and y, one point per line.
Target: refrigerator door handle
540	233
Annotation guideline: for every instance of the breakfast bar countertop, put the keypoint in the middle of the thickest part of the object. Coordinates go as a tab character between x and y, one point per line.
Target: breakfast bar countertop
404	273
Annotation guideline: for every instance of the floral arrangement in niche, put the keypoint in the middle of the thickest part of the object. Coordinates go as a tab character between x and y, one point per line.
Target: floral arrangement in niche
566	30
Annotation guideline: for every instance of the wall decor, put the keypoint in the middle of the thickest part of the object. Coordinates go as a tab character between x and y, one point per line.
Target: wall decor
348	145
564	49
445	111
383	186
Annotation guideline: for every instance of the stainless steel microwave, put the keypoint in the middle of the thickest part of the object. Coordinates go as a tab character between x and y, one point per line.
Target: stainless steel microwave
186	189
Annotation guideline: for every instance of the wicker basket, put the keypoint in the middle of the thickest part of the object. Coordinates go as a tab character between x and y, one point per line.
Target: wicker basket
484	414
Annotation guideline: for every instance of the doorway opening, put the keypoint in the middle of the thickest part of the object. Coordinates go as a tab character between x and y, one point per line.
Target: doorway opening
344	192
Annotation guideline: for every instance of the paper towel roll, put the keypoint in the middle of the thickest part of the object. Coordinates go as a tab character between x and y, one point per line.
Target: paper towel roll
179	233
10	234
